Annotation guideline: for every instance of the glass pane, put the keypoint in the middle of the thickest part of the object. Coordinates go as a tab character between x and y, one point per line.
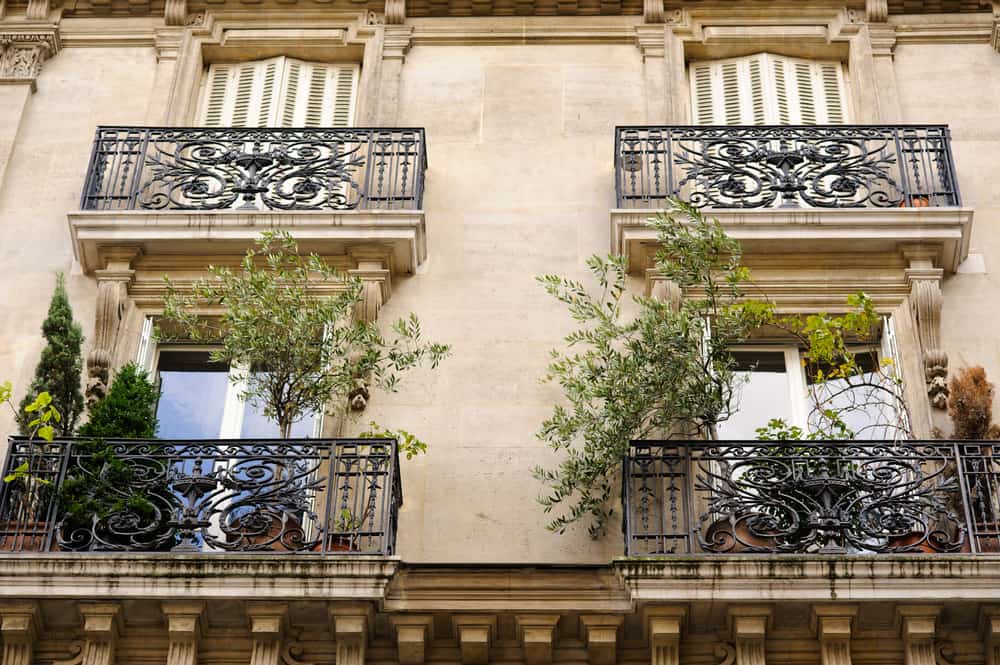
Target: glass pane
764	394
192	395
256	426
867	402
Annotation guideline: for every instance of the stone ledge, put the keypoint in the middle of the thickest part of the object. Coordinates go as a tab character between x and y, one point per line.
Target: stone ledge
812	578
187	233
85	576
783	231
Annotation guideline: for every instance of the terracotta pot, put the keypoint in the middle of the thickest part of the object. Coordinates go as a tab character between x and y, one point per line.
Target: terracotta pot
916	537
915	201
740	536
15	540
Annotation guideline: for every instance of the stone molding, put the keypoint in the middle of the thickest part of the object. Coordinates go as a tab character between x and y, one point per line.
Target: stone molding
24	50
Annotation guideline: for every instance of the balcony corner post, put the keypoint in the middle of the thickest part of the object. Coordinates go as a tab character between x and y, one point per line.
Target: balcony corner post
267	628
926	301
19	627
832	624
101	629
183	620
111	310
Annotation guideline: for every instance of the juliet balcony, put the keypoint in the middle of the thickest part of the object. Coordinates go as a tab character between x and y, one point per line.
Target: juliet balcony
759	497
796	189
210	191
322	496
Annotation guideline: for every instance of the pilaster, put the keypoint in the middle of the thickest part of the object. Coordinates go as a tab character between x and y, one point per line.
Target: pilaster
396	41
19	627
183	620
926	301
651	40
833	629
749	628
475	634
600	631
413	632
101	629
267	629
538	636
917	625
111	310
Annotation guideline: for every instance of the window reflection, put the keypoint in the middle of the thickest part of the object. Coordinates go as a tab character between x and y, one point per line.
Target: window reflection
192	395
765	393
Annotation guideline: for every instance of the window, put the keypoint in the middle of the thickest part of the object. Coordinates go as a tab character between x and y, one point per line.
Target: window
279	92
775	385
767	89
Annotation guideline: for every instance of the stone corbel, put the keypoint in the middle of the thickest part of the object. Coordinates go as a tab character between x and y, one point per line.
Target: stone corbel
175	12
925	305
989	619
350	628
600	632
413	632
664	626
475	633
101	629
652	11
538	632
749	627
877	11
396	40
19	626
660	288
112	307
267	629
183	620
376	278
833	628
395	12
38	10
22	53
917	628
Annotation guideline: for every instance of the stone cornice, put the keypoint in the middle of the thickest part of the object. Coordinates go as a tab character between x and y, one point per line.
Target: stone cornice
194	577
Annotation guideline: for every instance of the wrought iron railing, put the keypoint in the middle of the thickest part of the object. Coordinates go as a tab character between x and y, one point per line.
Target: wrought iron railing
829	166
171	168
308	495
718	497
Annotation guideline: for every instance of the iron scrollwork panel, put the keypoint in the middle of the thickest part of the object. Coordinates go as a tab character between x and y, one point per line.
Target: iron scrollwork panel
794	166
255	169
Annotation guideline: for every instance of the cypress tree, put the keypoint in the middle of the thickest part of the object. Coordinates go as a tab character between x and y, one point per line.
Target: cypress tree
127	411
61	364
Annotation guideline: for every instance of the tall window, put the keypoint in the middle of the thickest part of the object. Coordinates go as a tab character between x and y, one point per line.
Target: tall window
767	89
279	92
774	385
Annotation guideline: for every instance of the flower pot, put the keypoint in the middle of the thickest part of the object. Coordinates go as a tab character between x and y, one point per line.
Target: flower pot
726	537
920	542
15	538
915	201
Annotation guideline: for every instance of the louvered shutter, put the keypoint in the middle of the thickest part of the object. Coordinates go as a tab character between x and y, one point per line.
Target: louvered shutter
240	95
767	89
318	95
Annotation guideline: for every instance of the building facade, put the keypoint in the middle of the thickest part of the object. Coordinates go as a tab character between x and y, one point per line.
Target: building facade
459	148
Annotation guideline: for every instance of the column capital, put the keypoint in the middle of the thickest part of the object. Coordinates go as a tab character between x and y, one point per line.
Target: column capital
24	50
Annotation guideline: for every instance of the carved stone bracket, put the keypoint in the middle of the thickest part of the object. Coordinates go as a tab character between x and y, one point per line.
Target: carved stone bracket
175	12
917	627
877	11
184	629
395	12
990	623
925	304
833	628
651	40
995	34
660	288
23	52
267	628
396	40
665	625
112	307
351	631
749	627
413	632
376	277
652	11
38	10
538	632
101	629
19	626
475	633
601	635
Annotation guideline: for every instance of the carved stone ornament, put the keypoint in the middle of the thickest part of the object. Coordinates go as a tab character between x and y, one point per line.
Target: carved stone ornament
175	12
22	55
877	11
395	12
925	303
112	306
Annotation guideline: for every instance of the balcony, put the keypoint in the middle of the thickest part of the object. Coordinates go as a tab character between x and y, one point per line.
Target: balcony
795	189
190	191
734	497
321	496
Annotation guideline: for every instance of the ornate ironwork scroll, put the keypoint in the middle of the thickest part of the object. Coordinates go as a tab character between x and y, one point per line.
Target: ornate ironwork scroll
831	166
811	497
139	168
210	496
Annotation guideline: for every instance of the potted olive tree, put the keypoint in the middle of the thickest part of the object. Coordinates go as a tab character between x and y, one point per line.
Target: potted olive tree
287	320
